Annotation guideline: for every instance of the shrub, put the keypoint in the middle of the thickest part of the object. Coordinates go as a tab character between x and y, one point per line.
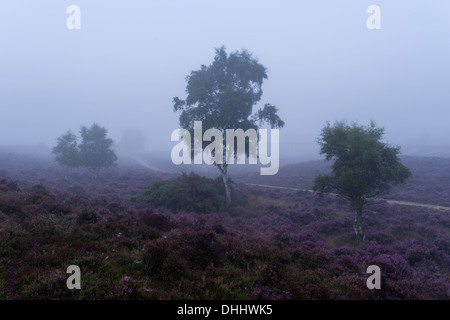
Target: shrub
190	193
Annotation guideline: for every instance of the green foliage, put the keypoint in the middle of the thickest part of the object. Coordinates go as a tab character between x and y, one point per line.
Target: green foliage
94	152
66	150
191	193
364	166
95	148
223	94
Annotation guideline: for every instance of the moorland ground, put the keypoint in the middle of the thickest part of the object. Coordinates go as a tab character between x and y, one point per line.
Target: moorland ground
271	244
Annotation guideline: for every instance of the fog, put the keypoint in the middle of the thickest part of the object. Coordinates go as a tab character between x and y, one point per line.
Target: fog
130	58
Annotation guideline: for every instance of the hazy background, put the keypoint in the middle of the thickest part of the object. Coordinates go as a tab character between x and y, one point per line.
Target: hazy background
130	59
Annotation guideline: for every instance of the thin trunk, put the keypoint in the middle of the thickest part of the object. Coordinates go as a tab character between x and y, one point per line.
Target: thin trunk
358	224
223	169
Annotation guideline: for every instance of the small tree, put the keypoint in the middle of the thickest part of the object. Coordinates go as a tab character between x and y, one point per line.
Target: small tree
363	167
95	149
94	152
66	150
222	96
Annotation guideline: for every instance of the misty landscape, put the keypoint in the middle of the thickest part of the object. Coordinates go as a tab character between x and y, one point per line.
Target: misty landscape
239	150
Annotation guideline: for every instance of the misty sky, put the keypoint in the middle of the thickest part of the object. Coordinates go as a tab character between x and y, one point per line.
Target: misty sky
130	59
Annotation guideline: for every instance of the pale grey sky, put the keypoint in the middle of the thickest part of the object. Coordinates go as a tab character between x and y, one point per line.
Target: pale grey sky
130	59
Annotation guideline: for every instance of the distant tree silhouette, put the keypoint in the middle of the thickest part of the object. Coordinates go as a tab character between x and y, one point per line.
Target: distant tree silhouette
66	150
93	152
363	167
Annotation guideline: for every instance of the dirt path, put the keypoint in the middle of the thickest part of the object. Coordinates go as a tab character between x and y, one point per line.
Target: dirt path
396	202
416	204
144	163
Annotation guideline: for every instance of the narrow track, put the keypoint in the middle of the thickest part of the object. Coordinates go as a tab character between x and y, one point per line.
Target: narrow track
396	202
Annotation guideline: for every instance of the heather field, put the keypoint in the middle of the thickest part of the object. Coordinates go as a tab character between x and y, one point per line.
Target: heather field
271	244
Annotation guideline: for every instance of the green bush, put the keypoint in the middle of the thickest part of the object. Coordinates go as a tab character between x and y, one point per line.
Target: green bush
190	193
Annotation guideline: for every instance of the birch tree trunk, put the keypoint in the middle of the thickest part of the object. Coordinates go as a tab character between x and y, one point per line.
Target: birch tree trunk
223	169
358	224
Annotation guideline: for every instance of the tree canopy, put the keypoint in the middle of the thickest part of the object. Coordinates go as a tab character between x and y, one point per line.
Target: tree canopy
95	148
93	152
66	150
